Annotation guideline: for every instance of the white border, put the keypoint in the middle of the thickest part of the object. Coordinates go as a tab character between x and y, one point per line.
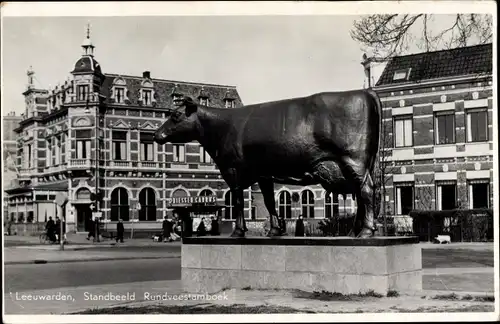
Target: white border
74	9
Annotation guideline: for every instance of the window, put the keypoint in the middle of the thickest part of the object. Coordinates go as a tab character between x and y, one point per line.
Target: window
307	204
205	193
147	97
404	199
403	131
445	128
285	204
83	149
331	205
179	152
229	210
48	160
119	145
204	156
446	195
83	91
479	194
477	126
119	95
204	101
29	156
401	74
229	103
147	148
119	204
57	150
147	199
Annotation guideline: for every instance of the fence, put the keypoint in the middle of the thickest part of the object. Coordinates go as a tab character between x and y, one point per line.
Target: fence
462	225
25	229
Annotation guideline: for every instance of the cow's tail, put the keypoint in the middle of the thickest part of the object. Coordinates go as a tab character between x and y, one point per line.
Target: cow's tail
374	143
376	120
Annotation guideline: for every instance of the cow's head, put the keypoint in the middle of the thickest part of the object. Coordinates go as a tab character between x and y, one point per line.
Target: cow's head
181	124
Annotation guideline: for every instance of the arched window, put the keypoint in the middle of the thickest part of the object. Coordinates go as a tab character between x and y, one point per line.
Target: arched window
119	204
206	192
179	193
285	204
307	204
147	199
229	210
331	205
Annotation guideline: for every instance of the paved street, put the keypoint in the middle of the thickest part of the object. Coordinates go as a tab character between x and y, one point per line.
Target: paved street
25	277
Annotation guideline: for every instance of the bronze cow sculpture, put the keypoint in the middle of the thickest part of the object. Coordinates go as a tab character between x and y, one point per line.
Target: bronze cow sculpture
329	138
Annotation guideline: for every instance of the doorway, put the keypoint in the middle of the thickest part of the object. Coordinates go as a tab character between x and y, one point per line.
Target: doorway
83	217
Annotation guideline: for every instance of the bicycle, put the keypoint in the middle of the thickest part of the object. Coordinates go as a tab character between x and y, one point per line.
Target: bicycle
44	239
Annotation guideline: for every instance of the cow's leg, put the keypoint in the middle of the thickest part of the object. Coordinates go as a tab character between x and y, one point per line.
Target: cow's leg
356	172
240	227
267	189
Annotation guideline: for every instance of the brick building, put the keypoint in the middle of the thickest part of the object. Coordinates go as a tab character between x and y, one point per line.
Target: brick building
437	142
94	133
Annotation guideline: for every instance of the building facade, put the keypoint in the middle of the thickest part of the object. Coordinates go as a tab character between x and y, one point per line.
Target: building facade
9	146
92	137
437	132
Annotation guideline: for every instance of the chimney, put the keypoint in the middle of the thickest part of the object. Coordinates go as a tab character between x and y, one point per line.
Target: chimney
146	75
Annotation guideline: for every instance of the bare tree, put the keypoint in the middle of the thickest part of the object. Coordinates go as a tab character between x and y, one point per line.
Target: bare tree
382	172
390	35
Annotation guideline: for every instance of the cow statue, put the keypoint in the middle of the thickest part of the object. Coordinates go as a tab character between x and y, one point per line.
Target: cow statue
329	138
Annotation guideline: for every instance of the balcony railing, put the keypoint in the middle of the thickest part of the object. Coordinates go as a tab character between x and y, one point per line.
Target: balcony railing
80	164
24	174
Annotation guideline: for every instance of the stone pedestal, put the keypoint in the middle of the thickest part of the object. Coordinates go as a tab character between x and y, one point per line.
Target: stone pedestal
343	265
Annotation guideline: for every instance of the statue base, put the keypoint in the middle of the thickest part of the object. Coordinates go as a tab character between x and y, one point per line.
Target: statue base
334	264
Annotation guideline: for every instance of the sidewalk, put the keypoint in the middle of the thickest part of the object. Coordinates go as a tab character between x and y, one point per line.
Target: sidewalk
29	255
74	240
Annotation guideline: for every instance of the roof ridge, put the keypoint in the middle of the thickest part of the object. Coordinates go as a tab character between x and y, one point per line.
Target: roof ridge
443	50
172	81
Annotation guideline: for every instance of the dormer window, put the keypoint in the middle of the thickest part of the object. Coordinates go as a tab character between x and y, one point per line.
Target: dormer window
147	97
400	75
204	101
119	95
229	103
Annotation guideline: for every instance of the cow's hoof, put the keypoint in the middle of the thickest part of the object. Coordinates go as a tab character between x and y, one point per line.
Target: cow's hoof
238	233
365	233
274	232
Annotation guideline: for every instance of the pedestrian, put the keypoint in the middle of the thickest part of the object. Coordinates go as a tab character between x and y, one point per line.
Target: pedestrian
49	228
282	225
201	230
57	229
91	228
299	227
166	226
214	231
120	230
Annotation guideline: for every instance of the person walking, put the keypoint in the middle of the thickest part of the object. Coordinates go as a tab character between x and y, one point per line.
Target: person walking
57	229
214	231
201	230
49	228
91	228
299	227
120	230
167	229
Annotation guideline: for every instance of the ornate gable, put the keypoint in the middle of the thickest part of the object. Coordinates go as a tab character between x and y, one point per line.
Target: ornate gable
148	126
120	124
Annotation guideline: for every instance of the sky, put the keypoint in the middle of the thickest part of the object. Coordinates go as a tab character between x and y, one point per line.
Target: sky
266	57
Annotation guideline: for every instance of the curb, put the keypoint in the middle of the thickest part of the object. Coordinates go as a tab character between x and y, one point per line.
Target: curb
41	261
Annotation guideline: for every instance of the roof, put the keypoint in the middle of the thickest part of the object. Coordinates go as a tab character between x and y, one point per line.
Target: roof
87	64
165	88
461	61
